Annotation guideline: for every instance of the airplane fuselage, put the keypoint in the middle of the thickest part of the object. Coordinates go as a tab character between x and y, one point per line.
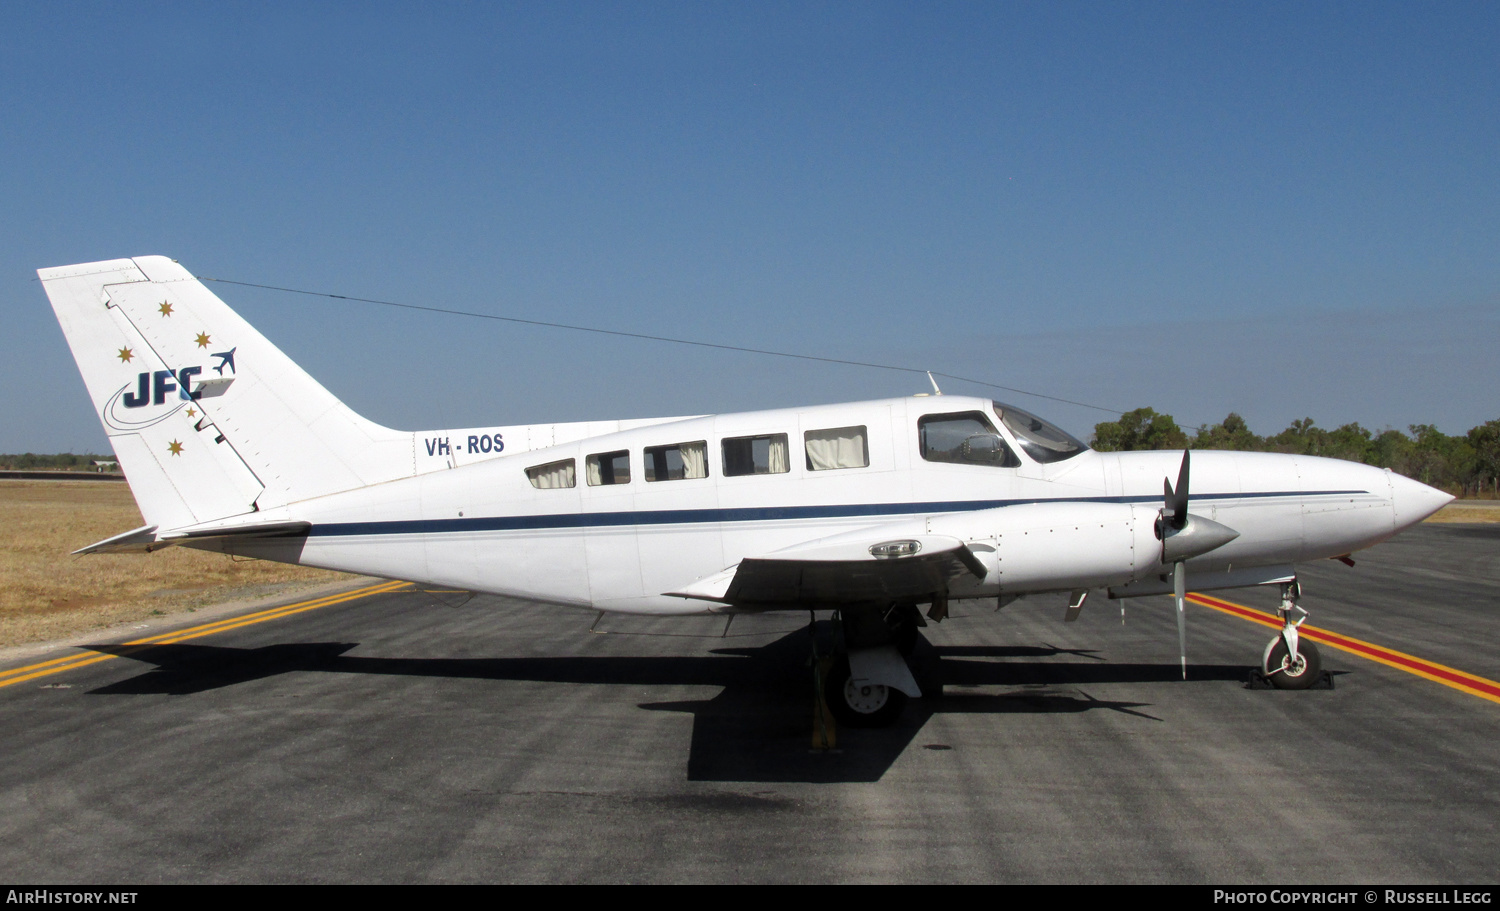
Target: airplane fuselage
624	541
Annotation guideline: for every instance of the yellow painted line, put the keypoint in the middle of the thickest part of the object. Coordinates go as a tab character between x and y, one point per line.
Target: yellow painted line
70	662
1459	680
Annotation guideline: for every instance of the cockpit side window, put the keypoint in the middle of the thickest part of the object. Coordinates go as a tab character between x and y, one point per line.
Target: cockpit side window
967	438
1043	441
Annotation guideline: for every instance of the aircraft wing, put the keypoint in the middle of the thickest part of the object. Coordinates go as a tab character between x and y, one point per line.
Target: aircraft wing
842	569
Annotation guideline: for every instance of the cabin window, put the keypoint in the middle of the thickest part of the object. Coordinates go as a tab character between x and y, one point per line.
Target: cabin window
755	455
553	475
837	447
677	462
967	438
608	468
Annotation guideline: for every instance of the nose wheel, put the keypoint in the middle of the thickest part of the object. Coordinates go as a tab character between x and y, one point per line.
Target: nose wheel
1287	672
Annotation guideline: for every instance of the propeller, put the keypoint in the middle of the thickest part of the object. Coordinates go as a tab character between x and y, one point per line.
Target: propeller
1183	537
1174	516
1175	503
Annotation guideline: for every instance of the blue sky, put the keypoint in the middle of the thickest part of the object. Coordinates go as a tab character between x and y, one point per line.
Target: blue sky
1285	210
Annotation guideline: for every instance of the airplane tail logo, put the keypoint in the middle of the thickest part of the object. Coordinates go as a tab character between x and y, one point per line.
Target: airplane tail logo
208	418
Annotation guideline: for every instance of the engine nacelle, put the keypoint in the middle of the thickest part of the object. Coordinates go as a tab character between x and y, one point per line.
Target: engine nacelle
1036	547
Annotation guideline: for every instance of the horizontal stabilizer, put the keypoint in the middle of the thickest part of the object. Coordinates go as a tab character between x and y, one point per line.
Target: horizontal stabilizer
139	541
146	539
243	530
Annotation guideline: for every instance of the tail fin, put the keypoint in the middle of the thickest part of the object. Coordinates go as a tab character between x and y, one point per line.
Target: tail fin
209	419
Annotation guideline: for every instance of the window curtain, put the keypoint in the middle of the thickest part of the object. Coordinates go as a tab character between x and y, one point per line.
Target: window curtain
777	454
841	447
553	476
694	459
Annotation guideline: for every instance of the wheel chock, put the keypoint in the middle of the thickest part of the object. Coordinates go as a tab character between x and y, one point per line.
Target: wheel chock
825	732
1259	681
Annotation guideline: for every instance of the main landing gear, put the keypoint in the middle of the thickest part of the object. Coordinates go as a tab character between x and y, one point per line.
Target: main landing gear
1291	663
869	681
858	703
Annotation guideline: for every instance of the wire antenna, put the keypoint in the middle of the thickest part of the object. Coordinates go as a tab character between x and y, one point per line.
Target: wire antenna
661	338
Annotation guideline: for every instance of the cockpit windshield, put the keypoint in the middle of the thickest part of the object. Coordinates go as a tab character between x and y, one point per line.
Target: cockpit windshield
1043	441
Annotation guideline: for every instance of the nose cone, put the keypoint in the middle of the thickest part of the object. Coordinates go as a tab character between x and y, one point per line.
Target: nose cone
1413	501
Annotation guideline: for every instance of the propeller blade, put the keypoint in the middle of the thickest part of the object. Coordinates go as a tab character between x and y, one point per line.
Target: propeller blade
1176	500
1179	589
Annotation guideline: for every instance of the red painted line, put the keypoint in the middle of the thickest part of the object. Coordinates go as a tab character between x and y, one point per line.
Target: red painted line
1470	683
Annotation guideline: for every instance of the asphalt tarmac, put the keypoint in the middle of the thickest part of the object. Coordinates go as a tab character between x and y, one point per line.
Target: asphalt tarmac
418	736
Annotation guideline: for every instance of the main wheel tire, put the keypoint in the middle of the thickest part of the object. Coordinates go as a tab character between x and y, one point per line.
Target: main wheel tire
1286	675
869	706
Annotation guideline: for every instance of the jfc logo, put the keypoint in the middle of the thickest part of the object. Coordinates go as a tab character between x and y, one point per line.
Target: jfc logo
154	388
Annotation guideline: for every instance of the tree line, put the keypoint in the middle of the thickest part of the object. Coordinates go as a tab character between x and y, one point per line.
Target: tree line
30	461
1466	465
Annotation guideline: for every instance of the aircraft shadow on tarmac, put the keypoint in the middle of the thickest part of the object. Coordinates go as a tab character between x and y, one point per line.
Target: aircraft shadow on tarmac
759	727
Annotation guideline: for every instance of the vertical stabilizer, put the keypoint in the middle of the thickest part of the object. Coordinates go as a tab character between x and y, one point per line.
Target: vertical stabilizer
208	418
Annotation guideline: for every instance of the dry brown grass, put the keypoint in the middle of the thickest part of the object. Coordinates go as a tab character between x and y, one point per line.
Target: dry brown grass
1467	511
46	593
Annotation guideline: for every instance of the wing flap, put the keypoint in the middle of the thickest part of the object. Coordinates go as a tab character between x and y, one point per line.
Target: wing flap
842	570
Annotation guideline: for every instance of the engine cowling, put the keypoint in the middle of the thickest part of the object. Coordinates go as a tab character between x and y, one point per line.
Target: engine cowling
1059	546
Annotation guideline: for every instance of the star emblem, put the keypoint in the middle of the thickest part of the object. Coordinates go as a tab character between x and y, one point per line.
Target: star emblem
175	448
192	412
202	340
125	355
165	308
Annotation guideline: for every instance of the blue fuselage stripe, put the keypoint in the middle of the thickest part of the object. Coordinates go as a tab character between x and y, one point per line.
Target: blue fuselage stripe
745	514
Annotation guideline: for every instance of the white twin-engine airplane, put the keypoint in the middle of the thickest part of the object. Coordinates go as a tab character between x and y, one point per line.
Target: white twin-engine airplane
871	509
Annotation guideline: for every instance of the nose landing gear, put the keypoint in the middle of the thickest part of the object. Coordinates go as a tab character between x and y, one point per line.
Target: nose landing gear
1291	663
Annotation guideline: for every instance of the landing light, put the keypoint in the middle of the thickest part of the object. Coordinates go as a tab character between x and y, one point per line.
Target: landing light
895	548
